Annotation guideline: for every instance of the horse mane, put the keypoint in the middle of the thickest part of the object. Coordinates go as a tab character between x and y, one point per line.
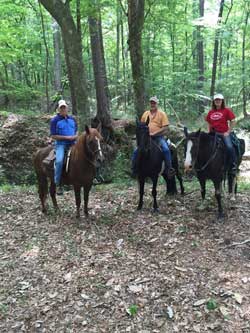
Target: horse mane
78	148
203	136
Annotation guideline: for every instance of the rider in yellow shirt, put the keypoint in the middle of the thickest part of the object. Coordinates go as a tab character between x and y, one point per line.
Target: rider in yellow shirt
158	122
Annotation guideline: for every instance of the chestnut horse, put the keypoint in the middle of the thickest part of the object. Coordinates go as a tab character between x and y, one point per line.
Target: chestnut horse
81	173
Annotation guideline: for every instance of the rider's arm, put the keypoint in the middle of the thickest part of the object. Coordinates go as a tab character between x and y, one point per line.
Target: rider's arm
162	131
232	124
64	137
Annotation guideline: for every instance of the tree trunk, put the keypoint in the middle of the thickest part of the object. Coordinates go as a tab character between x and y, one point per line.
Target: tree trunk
46	58
216	46
118	23
200	57
101	83
57	56
244	95
135	26
61	12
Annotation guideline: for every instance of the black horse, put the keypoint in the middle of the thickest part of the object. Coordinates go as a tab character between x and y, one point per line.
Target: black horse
149	164
206	153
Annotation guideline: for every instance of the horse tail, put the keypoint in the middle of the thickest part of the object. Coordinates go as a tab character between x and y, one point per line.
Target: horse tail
41	178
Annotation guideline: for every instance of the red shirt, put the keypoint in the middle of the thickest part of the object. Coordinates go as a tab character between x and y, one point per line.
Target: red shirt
218	119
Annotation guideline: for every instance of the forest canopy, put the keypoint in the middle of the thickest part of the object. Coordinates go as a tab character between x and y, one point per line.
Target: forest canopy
182	51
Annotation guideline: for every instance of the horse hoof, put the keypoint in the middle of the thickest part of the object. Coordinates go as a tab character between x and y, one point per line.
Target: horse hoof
156	211
221	217
139	208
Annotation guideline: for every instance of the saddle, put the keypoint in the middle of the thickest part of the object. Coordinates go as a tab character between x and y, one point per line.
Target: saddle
239	144
49	161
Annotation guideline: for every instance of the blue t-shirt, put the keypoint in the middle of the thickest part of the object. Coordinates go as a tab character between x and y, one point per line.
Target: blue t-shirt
60	125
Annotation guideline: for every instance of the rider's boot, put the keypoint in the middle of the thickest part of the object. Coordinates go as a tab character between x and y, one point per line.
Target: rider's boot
168	169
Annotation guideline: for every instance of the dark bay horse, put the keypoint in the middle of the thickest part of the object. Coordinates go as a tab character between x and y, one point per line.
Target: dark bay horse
149	164
81	169
206	154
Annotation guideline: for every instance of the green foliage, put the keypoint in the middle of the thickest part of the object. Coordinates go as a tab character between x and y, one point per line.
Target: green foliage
18	93
211	304
132	310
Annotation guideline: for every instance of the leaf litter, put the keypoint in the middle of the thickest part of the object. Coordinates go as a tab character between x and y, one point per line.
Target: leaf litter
123	270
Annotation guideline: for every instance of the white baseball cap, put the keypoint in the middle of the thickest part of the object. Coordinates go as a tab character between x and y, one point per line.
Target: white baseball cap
218	96
154	99
62	103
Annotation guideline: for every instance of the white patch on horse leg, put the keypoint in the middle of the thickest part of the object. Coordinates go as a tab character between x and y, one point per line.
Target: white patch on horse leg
188	157
233	196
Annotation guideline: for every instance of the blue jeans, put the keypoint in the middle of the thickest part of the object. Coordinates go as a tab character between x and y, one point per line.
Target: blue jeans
60	152
231	157
165	150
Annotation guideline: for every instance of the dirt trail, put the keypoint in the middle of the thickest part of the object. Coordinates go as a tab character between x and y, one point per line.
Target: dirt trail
124	271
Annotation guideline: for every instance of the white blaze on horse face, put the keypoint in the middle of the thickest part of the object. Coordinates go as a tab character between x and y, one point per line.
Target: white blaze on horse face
188	157
100	154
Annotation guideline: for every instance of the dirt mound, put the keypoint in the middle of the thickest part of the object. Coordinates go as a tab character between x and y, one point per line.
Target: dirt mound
20	137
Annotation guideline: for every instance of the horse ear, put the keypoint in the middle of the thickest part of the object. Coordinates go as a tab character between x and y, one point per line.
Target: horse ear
99	127
198	132
87	129
147	121
185	131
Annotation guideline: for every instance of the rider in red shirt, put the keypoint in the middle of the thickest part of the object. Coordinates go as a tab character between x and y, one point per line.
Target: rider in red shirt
221	120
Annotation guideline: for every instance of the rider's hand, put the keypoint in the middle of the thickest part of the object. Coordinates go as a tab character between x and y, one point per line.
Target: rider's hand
72	137
226	133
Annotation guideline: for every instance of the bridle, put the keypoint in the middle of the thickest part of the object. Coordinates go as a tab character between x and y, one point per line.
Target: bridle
93	154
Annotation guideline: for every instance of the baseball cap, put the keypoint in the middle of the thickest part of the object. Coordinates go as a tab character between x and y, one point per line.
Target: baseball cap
154	99
62	103
218	96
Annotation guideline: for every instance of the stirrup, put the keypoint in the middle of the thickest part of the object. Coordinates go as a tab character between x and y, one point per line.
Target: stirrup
170	172
59	190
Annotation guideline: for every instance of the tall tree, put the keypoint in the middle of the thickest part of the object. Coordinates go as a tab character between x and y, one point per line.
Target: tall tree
244	94
216	47
57	56
200	56
135	26
98	60
61	12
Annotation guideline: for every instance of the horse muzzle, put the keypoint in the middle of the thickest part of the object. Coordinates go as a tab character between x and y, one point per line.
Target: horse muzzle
188	167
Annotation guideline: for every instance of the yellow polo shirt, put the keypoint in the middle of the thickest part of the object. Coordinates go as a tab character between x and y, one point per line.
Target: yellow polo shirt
156	121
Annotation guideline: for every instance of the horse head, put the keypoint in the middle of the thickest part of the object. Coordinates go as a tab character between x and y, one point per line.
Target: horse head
93	145
191	149
143	136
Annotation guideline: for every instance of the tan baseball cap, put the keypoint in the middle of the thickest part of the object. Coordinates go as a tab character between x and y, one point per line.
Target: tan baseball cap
154	99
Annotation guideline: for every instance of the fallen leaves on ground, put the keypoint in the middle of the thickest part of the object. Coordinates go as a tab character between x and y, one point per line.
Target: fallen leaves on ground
123	270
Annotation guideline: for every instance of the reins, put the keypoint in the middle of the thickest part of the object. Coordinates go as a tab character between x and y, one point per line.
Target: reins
212	157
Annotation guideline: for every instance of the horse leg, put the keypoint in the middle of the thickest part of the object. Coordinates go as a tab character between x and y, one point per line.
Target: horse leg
232	186
154	193
43	191
77	190
52	191
170	185
141	192
86	199
217	187
179	177
202	182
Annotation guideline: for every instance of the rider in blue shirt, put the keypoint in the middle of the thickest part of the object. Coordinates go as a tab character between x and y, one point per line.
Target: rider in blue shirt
63	129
